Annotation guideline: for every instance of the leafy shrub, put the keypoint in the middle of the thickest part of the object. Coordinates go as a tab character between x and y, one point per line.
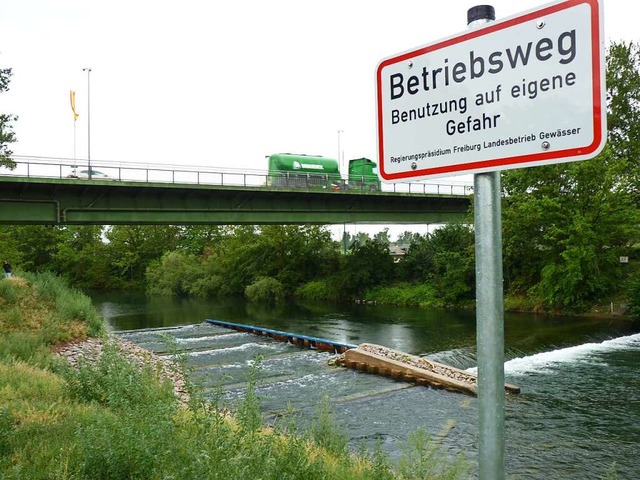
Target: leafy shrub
126	446
521	303
634	297
323	289
265	290
172	274
406	294
207	285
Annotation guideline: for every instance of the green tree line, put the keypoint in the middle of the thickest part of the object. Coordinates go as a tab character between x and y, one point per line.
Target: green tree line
566	228
273	262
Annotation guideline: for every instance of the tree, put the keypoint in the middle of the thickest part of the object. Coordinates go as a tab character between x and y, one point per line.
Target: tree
173	274
383	237
444	259
565	226
360	238
366	265
7	135
235	259
133	247
82	257
198	239
302	252
292	254
346	241
38	245
623	105
407	237
9	249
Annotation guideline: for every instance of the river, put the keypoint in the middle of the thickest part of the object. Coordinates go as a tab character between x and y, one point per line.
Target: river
577	417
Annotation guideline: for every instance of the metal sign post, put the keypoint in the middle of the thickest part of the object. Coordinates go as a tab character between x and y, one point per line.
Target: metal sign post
489	306
489	325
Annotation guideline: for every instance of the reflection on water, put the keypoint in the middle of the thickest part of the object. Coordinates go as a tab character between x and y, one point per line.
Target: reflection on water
579	411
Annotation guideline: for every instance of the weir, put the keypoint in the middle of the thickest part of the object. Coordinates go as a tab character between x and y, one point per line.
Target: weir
377	359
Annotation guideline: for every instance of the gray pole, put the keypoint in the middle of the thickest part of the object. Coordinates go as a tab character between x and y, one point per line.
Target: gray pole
489	307
88	70
340	167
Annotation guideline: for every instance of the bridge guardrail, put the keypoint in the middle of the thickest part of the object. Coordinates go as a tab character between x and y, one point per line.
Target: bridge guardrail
62	168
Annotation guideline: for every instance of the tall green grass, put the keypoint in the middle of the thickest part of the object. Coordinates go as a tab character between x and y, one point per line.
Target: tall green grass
71	305
9	292
24	346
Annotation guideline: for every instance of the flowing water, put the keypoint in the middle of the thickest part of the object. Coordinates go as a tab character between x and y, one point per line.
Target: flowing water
578	414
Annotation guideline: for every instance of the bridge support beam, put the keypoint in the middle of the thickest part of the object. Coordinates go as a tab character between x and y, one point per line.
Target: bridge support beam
74	202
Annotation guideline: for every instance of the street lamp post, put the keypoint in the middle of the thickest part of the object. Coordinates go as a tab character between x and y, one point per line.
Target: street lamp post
88	70
339	158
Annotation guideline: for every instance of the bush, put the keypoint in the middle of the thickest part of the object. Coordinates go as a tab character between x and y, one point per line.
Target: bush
207	285
172	274
318	290
405	294
520	303
634	297
265	290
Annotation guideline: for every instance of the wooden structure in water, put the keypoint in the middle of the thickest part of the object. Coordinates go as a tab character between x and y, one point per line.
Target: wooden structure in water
377	359
412	368
304	341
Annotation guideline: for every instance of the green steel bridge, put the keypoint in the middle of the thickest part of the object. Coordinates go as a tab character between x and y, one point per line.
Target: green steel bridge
40	191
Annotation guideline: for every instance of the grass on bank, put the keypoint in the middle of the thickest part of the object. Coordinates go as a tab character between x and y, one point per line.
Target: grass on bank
113	420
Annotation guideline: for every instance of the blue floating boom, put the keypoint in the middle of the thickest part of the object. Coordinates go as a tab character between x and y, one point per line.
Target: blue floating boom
293	338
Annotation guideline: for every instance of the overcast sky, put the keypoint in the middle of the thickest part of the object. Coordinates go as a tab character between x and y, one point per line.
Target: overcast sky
217	84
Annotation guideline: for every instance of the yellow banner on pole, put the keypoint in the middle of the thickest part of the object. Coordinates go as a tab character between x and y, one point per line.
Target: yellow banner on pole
72	96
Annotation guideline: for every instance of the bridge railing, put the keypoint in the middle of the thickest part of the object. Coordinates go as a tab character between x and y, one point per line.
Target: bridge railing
64	168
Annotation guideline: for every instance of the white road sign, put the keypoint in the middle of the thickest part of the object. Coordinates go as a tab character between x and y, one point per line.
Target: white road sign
523	91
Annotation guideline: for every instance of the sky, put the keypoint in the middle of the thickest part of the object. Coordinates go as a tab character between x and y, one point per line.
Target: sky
217	84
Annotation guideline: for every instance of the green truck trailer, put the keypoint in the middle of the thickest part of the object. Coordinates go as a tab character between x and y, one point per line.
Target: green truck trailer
310	171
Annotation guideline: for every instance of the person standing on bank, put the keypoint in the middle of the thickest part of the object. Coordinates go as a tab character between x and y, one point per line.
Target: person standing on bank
8	271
